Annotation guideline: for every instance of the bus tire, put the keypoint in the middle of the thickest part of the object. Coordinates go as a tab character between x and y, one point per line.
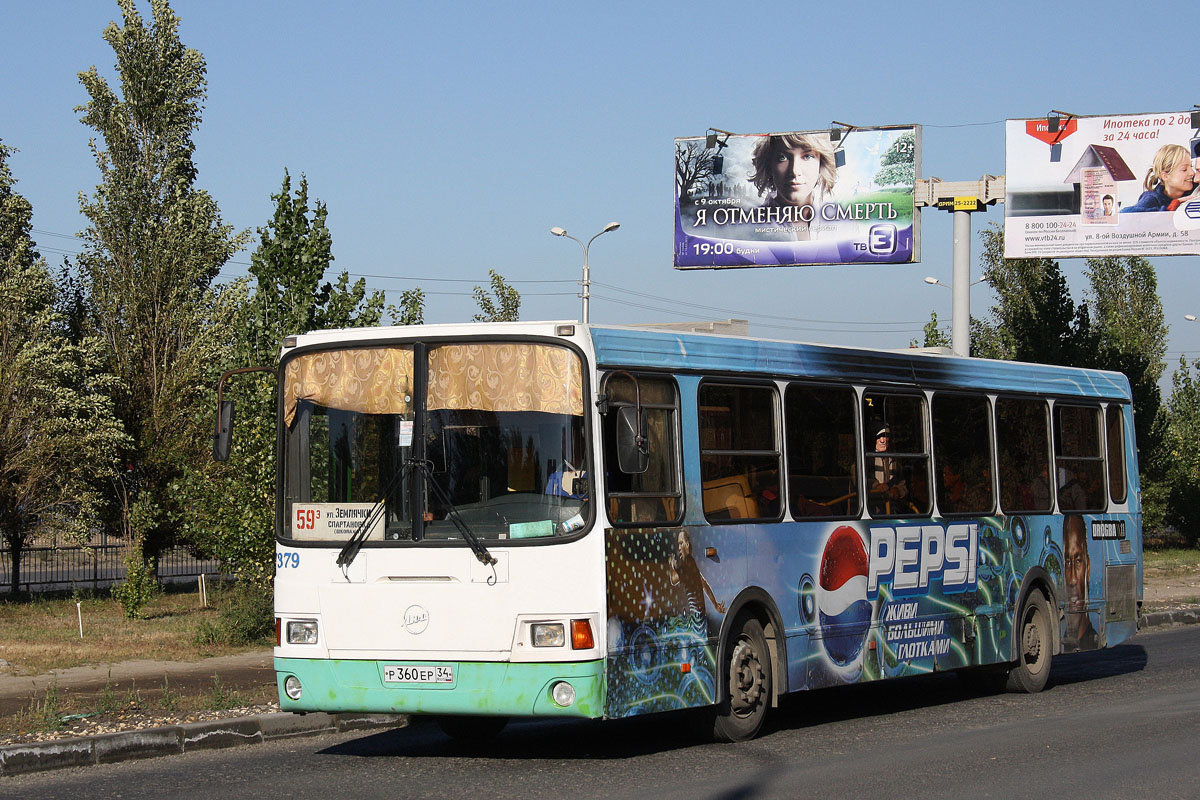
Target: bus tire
1035	643
740	714
471	730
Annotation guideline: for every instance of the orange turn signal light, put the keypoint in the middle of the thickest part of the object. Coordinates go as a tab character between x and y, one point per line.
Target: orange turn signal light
278	631
581	635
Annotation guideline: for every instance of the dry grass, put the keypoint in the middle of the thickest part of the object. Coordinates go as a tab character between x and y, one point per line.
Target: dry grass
43	634
1173	563
56	713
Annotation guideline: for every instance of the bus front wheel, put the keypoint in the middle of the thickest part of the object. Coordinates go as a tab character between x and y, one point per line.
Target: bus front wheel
739	716
1035	642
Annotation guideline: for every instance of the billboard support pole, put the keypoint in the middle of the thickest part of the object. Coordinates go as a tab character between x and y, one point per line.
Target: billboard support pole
961	198
960	327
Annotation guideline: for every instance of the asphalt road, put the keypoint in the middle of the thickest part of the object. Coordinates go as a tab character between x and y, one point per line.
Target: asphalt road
1121	723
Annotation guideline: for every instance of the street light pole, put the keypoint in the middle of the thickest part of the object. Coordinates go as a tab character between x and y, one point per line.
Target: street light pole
960	330
587	275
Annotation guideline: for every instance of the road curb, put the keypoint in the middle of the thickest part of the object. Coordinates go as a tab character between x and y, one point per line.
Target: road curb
19	759
1189	615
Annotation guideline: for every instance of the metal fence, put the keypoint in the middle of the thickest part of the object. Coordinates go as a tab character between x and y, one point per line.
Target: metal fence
45	568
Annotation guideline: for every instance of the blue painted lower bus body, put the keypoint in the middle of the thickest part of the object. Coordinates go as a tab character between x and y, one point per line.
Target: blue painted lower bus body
484	688
854	601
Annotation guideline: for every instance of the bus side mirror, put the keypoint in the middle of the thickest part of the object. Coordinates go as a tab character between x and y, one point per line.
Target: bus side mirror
633	451
224	435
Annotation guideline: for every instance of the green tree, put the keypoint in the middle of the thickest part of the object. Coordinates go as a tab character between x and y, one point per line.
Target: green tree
153	245
60	437
1181	455
290	294
1034	318
411	310
502	305
933	335
1130	336
898	166
231	504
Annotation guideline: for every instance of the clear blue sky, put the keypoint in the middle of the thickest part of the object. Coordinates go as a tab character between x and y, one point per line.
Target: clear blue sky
448	138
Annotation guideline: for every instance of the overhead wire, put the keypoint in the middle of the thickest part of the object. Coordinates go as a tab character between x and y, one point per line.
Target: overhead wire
761	319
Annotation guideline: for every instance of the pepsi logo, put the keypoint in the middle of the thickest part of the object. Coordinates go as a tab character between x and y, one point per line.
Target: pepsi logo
844	611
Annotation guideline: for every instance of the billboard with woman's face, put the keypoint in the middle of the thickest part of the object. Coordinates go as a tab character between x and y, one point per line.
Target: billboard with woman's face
1102	186
798	198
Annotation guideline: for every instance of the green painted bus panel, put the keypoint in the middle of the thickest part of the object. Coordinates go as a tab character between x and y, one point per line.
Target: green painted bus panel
485	688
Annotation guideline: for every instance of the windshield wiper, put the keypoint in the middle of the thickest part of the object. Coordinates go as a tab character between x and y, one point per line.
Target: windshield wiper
350	549
481	552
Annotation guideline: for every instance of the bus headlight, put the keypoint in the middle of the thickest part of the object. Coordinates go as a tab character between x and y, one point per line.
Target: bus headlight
302	631
292	687
563	694
548	634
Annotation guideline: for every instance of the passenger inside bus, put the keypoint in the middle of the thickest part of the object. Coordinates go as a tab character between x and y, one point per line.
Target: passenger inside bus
888	483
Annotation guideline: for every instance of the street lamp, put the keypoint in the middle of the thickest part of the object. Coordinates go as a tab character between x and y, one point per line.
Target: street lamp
587	281
1190	317
960	329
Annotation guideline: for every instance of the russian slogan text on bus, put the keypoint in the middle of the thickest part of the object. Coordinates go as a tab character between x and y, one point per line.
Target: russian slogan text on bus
910	556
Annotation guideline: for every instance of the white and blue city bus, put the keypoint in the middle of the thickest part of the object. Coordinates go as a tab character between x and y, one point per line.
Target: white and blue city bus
487	521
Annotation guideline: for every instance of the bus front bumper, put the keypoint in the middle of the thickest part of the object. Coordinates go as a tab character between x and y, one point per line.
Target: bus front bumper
476	688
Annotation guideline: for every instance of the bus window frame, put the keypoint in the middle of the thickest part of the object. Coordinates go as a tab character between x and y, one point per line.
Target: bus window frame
990	421
855	484
777	431
1101	438
1048	420
1116	411
926	439
283	453
601	450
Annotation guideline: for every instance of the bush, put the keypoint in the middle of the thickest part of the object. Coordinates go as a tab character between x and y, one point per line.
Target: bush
246	615
140	585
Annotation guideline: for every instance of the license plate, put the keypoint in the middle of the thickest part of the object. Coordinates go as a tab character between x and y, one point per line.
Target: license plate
425	673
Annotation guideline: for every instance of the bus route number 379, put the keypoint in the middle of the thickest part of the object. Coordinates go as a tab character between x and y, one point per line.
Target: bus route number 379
426	673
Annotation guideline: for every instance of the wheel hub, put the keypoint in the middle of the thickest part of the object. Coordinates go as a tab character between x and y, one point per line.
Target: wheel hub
747	681
1033	641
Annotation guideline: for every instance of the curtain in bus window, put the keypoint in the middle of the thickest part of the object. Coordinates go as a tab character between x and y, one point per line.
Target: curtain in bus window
369	380
505	377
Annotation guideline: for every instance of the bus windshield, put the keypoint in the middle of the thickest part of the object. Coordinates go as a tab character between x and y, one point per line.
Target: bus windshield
496	442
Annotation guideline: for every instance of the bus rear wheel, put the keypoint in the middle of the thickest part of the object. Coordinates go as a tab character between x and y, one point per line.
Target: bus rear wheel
471	730
739	716
1035	642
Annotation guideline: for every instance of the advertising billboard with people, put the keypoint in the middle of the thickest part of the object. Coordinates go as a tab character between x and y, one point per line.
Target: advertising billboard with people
1102	186
797	198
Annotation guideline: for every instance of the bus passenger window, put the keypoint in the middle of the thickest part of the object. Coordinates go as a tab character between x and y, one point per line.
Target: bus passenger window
962	454
739	452
1023	442
1116	454
819	422
897	458
653	496
1078	460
